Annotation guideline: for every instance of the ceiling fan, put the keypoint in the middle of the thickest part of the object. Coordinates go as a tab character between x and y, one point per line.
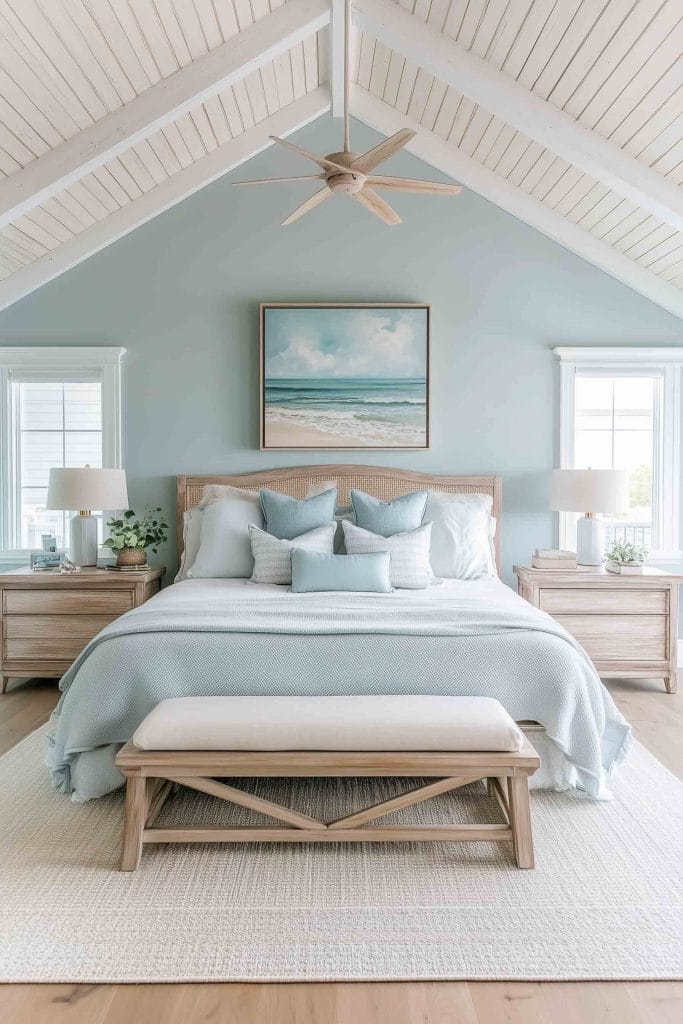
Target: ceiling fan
349	173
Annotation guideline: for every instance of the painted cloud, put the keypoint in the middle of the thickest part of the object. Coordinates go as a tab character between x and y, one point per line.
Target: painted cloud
351	343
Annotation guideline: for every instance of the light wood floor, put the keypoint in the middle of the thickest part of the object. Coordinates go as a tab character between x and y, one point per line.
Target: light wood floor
658	722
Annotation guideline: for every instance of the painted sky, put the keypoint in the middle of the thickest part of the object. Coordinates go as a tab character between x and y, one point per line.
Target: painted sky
384	343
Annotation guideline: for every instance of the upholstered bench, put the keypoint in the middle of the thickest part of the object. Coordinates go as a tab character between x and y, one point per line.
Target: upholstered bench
195	741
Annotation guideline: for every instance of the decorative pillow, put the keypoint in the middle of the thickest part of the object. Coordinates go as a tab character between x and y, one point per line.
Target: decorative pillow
192	525
224	549
389	517
320	487
221	492
409	552
273	556
341	516
313	571
287	518
461	535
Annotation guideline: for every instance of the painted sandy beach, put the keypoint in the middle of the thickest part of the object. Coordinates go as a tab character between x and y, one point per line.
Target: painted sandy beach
351	412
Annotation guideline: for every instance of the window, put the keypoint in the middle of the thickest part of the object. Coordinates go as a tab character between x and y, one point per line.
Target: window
61	407
621	410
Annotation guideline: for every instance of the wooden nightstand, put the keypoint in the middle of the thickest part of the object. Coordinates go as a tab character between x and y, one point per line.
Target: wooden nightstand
48	618
627	624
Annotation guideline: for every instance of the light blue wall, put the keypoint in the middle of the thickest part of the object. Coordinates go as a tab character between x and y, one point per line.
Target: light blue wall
181	294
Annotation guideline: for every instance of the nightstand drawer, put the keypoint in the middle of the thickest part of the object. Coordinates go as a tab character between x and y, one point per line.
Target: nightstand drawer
63	602
620	637
64	649
611	601
45	627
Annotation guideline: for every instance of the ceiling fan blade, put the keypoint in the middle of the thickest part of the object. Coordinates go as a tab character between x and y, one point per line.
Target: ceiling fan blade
321	161
368	161
413	185
315	200
375	204
271	181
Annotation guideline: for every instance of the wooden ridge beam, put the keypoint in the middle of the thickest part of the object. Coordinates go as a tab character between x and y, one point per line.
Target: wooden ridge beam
337	57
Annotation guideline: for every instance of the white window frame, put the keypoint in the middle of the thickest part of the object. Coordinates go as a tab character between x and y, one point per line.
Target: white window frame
39	361
667	363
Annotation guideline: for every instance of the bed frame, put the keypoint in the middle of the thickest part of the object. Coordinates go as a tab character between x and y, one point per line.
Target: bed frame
376	480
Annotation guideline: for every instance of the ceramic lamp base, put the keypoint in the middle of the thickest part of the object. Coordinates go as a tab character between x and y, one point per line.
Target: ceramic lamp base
83	540
590	541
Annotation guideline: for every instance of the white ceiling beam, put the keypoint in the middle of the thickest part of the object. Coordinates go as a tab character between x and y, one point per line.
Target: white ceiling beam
458	165
159	105
181	185
337	57
499	94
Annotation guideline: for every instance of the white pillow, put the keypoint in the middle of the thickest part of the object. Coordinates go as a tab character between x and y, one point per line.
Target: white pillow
409	568
320	487
224	549
462	528
273	557
192	525
220	492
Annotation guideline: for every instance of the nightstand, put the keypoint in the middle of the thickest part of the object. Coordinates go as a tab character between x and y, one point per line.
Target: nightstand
47	618
627	624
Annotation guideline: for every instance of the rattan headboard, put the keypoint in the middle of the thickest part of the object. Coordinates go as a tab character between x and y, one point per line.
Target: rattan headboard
375	480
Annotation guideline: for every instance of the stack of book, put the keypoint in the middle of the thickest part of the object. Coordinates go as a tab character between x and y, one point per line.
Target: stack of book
126	568
547	558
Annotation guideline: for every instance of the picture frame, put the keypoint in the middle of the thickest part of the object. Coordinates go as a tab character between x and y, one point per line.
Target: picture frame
344	376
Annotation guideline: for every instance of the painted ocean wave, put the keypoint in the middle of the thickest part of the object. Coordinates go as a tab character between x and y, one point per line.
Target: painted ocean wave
277	398
374	411
364	429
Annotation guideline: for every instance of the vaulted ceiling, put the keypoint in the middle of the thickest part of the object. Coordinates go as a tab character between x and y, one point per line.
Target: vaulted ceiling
566	113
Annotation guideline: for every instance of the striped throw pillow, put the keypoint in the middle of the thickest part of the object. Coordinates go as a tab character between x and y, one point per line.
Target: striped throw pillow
273	556
409	568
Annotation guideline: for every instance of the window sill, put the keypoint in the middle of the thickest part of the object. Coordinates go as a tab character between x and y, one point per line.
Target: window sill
22	556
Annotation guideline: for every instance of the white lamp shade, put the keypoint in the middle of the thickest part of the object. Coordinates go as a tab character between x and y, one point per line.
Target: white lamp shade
87	489
589	490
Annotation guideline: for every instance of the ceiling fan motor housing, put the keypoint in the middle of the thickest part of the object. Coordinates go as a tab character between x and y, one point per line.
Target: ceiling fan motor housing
340	182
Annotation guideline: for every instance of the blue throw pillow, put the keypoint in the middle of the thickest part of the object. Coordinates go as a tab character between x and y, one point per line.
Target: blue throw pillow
313	571
287	518
389	517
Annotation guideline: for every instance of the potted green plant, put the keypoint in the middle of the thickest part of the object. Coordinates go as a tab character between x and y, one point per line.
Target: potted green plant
625	557
130	536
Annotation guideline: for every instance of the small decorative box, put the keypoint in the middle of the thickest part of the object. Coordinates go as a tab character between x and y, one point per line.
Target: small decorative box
41	561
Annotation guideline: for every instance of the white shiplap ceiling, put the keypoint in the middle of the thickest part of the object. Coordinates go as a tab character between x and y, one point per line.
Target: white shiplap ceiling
566	113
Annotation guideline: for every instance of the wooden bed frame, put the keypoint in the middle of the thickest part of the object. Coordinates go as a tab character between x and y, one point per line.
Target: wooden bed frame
376	480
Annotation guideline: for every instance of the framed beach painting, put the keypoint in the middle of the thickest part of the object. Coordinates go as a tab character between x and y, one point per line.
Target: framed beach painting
344	376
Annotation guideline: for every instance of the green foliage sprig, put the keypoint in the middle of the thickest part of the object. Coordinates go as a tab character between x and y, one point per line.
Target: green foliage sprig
627	553
147	531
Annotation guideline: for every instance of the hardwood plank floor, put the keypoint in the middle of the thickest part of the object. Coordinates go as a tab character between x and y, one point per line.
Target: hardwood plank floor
657	719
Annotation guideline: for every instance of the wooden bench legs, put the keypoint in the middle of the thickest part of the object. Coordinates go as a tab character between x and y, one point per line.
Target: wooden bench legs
145	796
520	819
144	799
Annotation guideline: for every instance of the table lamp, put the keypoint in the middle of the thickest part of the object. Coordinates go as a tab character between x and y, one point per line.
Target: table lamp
82	490
589	491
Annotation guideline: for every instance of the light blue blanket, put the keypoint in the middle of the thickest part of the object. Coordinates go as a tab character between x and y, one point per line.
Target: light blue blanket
232	637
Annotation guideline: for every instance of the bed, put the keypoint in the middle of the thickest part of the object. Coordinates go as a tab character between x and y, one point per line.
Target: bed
227	636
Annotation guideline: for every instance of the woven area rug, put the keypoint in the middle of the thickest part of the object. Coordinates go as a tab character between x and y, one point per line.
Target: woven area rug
603	903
